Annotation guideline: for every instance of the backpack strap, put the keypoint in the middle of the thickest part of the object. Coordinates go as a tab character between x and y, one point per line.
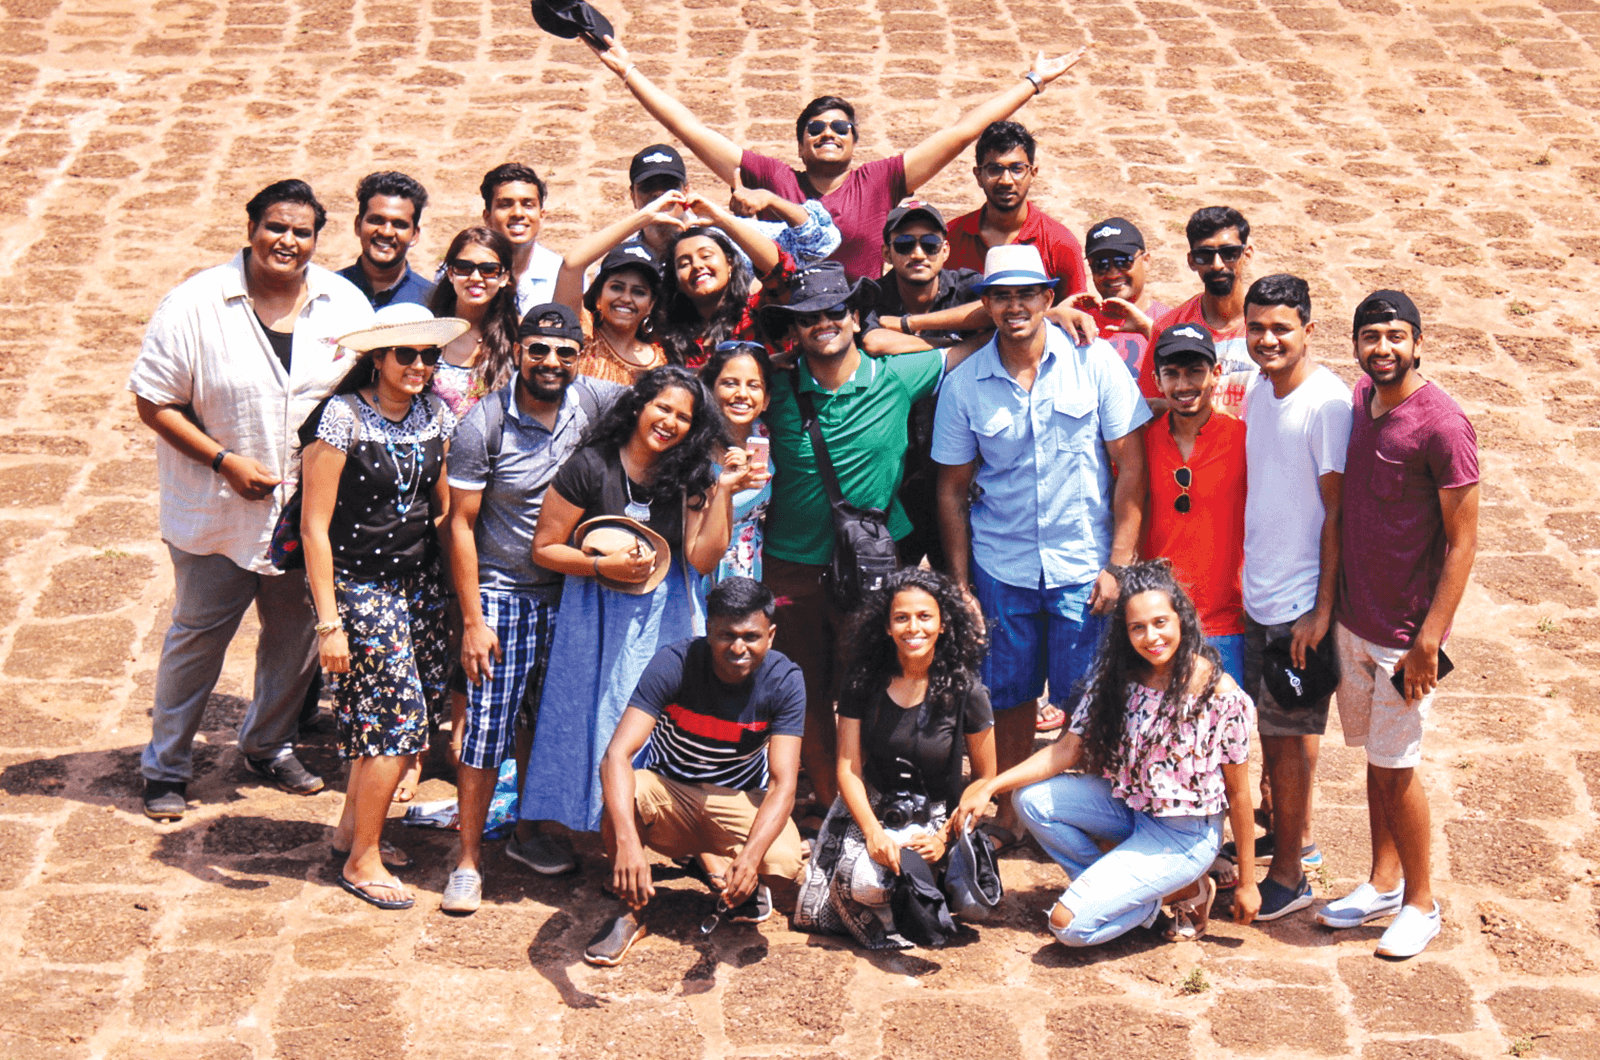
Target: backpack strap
494	426
819	444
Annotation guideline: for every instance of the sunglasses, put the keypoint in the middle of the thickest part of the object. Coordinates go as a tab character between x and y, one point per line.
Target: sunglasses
540	350
994	170
1185	478
839	126
930	244
406	355
1106	262
740	346
1205	255
461	268
837	313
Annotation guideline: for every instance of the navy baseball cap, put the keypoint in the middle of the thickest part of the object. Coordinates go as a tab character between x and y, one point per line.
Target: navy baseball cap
1182	342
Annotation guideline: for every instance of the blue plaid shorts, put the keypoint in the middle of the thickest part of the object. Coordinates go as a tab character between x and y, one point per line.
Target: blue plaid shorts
525	626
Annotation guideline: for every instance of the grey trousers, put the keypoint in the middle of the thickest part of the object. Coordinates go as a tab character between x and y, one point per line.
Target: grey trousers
212	595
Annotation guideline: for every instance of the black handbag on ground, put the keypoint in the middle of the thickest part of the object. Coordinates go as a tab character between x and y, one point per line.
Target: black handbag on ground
864	552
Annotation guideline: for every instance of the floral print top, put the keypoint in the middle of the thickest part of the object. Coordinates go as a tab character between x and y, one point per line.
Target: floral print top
1181	775
460	388
743	558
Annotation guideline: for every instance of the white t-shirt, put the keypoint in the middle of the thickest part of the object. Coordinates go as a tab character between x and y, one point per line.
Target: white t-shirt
1289	445
538	285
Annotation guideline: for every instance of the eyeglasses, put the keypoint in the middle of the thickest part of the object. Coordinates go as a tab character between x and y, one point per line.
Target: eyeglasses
809	320
1204	255
406	355
541	350
461	268
994	170
930	243
1185	478
839	126
1103	263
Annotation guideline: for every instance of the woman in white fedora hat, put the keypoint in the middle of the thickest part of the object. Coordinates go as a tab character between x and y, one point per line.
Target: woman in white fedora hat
373	485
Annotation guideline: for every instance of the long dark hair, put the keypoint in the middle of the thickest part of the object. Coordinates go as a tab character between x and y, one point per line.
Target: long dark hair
650	323
1105	737
957	653
684	331
499	325
684	469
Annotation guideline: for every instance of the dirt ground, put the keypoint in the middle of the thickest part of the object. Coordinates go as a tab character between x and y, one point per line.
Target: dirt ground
1446	148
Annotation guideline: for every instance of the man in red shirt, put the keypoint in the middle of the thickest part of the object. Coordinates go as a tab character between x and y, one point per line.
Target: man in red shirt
1005	172
1196	463
1120	305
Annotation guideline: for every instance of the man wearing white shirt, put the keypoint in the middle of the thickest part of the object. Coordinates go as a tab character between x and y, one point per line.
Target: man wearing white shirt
233	361
513	205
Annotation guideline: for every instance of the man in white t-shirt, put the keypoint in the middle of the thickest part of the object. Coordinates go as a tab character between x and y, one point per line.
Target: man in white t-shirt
1297	415
514	197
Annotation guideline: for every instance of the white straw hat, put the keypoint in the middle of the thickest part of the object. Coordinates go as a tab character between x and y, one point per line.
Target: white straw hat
404	324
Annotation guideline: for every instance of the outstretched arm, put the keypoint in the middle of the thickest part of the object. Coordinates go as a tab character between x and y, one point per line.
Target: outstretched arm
718	152
591	248
925	160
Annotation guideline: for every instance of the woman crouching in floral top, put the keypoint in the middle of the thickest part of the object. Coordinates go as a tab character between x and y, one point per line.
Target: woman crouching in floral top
1162	737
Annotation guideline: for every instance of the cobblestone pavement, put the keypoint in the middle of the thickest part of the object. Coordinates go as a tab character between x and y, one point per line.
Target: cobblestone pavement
1446	148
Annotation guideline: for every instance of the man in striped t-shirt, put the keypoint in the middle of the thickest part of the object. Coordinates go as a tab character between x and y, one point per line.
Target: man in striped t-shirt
723	715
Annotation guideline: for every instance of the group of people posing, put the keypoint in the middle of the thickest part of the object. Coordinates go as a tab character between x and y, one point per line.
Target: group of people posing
806	481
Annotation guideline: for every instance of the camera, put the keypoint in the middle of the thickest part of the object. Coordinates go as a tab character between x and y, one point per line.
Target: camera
905	804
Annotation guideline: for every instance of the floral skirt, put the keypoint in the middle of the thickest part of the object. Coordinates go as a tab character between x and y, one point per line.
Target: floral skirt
399	663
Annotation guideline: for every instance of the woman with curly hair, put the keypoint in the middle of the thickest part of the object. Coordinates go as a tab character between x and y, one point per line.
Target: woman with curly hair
477	287
1162	737
910	689
649	459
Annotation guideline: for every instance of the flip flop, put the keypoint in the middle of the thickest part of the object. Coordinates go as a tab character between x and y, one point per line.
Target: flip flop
1002	840
1190	916
361	892
1049	718
392	856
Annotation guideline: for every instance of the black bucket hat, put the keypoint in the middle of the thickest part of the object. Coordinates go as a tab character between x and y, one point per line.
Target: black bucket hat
817	287
570	19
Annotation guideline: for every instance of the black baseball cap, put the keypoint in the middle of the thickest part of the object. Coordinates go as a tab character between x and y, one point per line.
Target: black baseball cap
913	208
1182	342
1113	234
657	160
631	255
1381	306
533	323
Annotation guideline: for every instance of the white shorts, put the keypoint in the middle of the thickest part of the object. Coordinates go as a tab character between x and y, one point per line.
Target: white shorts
1372	714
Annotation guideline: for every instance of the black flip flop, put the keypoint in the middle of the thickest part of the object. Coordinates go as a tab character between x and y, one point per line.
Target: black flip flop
360	891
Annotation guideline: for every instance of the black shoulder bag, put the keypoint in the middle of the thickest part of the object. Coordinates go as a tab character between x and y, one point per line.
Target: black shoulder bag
864	553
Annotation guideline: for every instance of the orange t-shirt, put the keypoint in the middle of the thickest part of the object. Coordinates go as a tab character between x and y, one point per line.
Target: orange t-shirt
1232	353
1206	544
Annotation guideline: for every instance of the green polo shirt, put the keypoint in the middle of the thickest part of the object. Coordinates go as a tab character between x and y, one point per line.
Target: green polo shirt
864	422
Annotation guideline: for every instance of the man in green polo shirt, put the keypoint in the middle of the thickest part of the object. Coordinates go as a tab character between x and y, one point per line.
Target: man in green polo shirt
862	405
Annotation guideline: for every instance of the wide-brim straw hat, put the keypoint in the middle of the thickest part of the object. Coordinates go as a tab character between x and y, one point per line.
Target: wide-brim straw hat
404	324
606	534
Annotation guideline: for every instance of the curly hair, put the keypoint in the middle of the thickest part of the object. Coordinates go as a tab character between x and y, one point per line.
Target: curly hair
957	653
684	332
1105	745
687	467
500	316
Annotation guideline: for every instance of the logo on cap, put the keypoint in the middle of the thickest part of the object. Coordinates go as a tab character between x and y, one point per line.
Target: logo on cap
657	157
1189	332
1103	231
638	252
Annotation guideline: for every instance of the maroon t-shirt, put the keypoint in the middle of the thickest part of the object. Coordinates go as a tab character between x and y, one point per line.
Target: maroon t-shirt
859	206
1392	525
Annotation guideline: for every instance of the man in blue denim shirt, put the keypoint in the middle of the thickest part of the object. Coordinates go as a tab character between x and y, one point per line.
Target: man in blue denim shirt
1050	433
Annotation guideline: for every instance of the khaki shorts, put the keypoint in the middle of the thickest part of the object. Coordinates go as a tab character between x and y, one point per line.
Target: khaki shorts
1371	712
681	820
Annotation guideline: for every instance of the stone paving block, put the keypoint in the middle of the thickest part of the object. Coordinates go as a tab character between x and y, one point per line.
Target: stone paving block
1416	997
196	990
90	928
664	1029
339	1019
1555	1021
795	995
947	1029
1115	1029
59	1012
1279	1020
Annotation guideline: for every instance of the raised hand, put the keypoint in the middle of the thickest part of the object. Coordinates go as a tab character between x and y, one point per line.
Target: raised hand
1049	69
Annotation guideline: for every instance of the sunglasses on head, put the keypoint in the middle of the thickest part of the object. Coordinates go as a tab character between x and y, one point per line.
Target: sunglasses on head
1106	262
839	126
930	243
462	268
1185	478
1205	255
540	350
836	313
407	355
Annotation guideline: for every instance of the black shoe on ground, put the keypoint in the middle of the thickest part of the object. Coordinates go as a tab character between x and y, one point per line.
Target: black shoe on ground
614	941
165	800
755	909
286	772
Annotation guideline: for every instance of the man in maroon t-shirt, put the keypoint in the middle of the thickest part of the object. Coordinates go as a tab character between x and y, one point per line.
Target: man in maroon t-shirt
1411	501
1005	172
860	199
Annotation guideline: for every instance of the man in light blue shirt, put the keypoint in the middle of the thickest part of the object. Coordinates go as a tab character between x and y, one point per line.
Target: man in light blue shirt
1049	432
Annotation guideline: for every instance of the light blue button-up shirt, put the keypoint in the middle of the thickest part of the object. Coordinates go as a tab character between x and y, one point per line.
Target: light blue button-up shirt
1044	477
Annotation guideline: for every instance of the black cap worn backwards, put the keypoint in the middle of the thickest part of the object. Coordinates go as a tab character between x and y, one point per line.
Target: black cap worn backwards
1382	306
537	322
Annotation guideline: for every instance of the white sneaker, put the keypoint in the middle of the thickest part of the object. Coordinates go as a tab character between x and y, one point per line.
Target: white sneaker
1360	906
1410	933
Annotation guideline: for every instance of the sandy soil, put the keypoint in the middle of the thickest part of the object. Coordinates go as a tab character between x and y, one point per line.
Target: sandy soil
1447	148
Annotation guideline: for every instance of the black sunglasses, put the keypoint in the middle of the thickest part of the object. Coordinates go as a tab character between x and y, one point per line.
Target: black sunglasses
836	313
405	355
1106	262
930	243
462	268
1185	478
540	350
839	126
1204	255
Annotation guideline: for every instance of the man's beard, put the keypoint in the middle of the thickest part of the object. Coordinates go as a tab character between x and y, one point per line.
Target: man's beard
1220	286
539	393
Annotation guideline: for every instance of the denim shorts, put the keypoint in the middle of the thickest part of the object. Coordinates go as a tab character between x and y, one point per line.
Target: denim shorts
1035	635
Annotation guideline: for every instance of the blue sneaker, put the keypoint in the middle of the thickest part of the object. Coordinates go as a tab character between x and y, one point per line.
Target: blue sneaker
1278	900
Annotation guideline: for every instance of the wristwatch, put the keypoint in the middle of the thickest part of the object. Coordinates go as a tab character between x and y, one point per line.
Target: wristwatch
1035	80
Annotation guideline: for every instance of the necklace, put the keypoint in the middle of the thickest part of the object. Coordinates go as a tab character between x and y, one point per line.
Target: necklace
406	478
624	358
633	509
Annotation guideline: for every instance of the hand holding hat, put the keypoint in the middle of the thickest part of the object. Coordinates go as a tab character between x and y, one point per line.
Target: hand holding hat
568	19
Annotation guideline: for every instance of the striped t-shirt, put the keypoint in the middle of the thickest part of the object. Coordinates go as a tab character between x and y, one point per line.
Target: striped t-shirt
711	733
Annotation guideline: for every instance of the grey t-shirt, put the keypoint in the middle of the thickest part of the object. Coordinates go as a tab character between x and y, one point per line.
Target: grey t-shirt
513	489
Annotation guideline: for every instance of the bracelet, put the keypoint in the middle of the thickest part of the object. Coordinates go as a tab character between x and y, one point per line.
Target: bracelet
216	461
597	566
325	628
1035	80
631	67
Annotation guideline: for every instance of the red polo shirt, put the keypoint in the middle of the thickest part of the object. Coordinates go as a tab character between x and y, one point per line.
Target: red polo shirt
1060	249
1206	544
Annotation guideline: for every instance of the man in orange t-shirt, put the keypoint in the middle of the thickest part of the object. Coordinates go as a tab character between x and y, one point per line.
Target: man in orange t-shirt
1196	462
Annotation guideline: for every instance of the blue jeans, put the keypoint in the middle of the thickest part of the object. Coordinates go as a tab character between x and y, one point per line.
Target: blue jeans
1114	892
1231	648
1034	635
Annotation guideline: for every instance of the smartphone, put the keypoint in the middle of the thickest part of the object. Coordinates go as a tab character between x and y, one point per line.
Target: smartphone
759	449
1399	678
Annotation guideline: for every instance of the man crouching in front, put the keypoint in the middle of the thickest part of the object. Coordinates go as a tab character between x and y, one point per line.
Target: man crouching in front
723	715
